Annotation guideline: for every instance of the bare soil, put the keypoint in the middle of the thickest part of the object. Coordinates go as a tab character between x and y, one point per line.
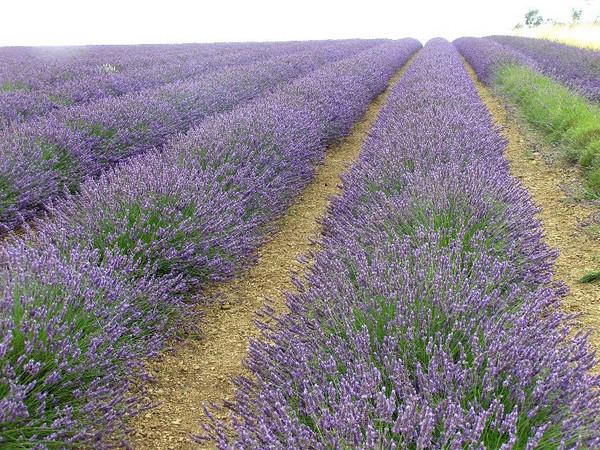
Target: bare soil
200	371
563	216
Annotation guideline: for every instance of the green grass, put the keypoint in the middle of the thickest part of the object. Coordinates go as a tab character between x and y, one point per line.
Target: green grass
590	277
564	117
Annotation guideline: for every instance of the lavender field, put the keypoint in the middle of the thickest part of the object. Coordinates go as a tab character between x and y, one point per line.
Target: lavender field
137	181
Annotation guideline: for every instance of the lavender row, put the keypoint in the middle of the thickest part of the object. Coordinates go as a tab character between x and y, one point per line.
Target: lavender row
99	285
41	159
578	68
21	105
428	319
31	68
486	56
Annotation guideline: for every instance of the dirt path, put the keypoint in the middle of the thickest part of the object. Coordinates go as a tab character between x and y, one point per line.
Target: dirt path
199	371
561	216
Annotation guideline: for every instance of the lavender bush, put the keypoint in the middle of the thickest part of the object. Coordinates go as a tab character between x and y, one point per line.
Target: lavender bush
71	332
429	319
42	158
105	275
578	68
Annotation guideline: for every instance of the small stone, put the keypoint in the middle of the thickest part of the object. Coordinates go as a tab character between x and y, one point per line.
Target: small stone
176	422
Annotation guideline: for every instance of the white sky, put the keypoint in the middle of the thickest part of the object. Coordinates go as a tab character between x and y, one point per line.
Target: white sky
64	22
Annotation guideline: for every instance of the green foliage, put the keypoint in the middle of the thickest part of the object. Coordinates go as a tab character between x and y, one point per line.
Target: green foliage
7	194
63	163
590	277
93	129
52	297
62	100
11	86
144	227
533	18
566	118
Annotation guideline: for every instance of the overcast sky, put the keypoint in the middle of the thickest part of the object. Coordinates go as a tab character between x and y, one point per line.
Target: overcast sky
64	22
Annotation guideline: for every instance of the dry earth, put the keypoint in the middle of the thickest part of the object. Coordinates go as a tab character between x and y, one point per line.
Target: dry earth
561	215
200	371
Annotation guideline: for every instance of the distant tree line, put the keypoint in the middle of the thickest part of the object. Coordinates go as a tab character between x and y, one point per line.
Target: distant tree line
534	18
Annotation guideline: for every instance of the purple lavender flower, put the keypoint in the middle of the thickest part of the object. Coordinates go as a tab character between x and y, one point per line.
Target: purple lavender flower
42	158
68	346
429	318
125	70
97	286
